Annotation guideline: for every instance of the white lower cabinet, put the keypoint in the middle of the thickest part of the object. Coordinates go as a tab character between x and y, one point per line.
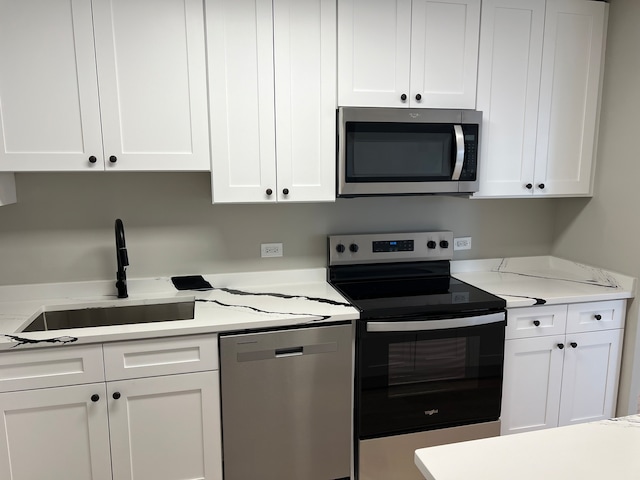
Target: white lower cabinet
162	427
165	427
55	433
556	378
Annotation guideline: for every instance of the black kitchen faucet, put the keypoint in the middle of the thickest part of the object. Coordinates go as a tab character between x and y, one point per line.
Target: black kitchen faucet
123	260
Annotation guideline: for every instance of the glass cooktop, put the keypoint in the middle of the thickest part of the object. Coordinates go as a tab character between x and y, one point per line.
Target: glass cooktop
432	296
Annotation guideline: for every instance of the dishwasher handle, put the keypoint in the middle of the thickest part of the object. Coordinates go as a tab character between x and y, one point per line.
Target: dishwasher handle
251	355
289	352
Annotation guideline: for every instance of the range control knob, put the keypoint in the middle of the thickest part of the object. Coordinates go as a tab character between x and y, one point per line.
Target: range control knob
353	247
340	248
431	244
444	244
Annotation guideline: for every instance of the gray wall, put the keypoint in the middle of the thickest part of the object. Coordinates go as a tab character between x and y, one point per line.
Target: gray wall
604	231
61	229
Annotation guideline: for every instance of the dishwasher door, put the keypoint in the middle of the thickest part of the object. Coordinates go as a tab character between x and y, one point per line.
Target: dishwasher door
287	403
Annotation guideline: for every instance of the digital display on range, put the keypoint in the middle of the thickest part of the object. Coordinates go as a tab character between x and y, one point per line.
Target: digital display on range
393	246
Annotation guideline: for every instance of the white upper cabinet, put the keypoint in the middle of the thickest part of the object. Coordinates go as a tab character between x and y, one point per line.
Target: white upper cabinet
404	53
539	83
147	101
152	81
508	93
272	88
572	68
49	106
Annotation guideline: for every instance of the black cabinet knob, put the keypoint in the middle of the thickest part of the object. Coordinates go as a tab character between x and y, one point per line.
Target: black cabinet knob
431	244
113	159
529	186
116	395
403	97
561	346
269	192
340	248
285	191
92	159
574	345
418	97
444	244
95	397
536	323
598	317
353	247
541	186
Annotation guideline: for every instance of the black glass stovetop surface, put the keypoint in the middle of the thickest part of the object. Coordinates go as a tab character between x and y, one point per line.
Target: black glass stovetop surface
433	296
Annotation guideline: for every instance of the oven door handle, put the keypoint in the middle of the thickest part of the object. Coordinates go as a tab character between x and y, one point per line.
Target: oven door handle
424	325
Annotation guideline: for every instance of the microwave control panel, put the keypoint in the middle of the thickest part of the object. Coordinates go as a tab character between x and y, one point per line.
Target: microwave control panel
470	169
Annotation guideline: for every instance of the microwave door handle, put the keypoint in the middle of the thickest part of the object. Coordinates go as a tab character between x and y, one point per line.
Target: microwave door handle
457	168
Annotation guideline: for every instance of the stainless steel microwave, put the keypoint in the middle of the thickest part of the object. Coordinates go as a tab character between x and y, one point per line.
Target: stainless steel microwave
400	151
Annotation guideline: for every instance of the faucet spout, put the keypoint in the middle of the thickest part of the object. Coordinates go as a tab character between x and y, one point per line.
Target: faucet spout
123	260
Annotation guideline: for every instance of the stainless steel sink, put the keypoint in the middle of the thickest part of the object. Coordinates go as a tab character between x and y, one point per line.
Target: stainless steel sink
107	316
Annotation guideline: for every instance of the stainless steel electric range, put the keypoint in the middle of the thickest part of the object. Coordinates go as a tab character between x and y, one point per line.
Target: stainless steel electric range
429	349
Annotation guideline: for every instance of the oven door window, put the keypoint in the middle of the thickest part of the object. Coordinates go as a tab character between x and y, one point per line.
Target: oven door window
399	152
426	380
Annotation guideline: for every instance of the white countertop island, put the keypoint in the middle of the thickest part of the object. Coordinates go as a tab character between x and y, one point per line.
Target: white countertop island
607	449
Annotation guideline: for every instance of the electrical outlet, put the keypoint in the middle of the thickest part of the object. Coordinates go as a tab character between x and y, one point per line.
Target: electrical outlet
462	243
270	250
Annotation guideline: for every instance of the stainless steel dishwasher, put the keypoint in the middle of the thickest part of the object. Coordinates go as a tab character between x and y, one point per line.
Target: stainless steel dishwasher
287	403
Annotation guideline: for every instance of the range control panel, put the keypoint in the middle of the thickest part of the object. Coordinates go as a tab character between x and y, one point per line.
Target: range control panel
390	247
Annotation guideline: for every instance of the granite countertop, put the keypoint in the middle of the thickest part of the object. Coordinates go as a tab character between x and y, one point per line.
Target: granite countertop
282	298
588	451
526	281
236	302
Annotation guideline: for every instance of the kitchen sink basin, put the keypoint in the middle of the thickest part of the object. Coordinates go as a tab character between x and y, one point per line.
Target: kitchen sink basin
112	315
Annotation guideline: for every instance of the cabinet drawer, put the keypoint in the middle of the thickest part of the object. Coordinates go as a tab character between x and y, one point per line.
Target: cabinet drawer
50	367
536	321
595	316
166	356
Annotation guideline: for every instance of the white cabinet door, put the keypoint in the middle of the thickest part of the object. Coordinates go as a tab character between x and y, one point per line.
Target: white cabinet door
241	93
590	376
152	78
374	52
55	433
49	111
508	90
532	383
444	53
166	428
305	96
571	81
264	80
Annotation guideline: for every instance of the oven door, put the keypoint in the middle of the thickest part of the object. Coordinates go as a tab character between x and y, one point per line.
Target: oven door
415	375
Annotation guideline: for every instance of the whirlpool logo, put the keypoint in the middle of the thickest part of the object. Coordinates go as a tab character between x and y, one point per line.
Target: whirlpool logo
431	412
